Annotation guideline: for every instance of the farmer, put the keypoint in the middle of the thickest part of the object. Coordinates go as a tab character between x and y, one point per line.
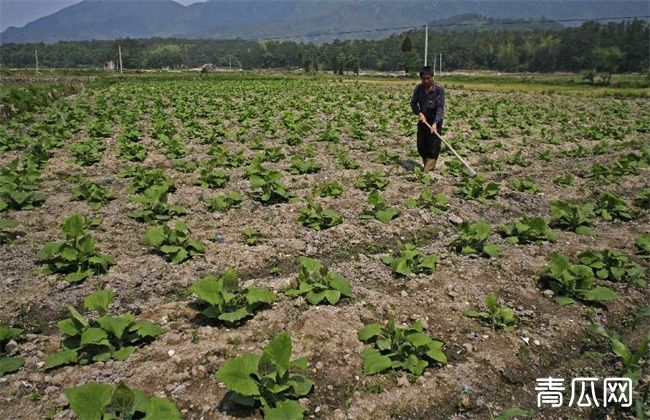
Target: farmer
428	102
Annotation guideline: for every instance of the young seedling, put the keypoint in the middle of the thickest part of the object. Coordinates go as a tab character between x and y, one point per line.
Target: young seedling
613	265
411	260
379	209
573	282
9	364
399	348
472	240
318	284
87	340
222	298
496	316
477	188
96	195
268	380
100	401
371	181
173	244
435	203
528	230
573	217
314	217
76	256
223	203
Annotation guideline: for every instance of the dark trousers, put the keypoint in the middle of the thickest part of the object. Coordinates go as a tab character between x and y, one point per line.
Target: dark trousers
428	143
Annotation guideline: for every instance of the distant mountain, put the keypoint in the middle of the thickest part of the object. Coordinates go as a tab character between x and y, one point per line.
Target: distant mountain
322	20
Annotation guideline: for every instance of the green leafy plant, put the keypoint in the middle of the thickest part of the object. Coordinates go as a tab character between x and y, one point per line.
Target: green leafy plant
328	189
101	401
319	284
642	199
643	246
144	178
87	152
6	235
76	257
472	240
301	165
517	159
370	181
525	185
610	264
477	188
155	206
573	217
379	209
221	297
268	380
9	364
252	237
225	202
128	151
564	180
496	316
418	175
268	188
528	230
107	337
631	358
611	206
173	243
435	203
212	178
18	187
314	217
572	282
411	260
96	195
399	348
184	165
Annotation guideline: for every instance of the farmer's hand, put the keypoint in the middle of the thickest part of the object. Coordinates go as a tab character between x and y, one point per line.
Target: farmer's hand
422	118
434	128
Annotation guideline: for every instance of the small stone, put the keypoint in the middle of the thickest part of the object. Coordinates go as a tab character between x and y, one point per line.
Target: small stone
402	381
317	409
11	346
536	342
51	389
457	220
548	292
40	364
62	284
171	353
319	365
330	387
404	293
206	408
526	339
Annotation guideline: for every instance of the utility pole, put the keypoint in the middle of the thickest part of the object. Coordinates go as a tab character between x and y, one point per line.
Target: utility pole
119	49
440	64
36	54
230	62
426	42
435	56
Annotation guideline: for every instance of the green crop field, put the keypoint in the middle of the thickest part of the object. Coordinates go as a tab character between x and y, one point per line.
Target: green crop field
209	247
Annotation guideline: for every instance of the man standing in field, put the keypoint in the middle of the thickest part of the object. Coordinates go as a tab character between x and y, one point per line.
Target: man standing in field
428	103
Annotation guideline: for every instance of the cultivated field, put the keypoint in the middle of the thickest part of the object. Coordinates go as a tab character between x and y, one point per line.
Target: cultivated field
153	183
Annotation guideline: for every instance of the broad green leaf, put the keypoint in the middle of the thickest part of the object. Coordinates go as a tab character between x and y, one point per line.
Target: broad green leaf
154	236
116	325
374	362
69	327
122	402
88	401
236	374
64	357
208	289
279	350
162	409
259	294
600	294
369	331
123	353
94	336
435	352
147	329
284	410
564	300
99	301
492	250
7	332
332	296
10	364
235	316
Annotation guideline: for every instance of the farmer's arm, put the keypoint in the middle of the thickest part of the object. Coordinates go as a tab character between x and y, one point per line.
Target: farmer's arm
415	105
440	107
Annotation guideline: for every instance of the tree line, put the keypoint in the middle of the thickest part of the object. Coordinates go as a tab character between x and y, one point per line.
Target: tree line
610	47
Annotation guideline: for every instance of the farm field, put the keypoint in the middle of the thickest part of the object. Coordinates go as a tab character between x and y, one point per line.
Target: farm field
167	191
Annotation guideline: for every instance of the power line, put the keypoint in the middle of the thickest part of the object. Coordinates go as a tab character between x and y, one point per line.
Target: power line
445	25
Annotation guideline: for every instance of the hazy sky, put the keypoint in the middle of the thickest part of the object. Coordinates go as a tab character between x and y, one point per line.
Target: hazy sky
20	12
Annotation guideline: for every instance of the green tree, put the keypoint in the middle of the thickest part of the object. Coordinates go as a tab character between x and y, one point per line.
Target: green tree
407	45
607	60
410	62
